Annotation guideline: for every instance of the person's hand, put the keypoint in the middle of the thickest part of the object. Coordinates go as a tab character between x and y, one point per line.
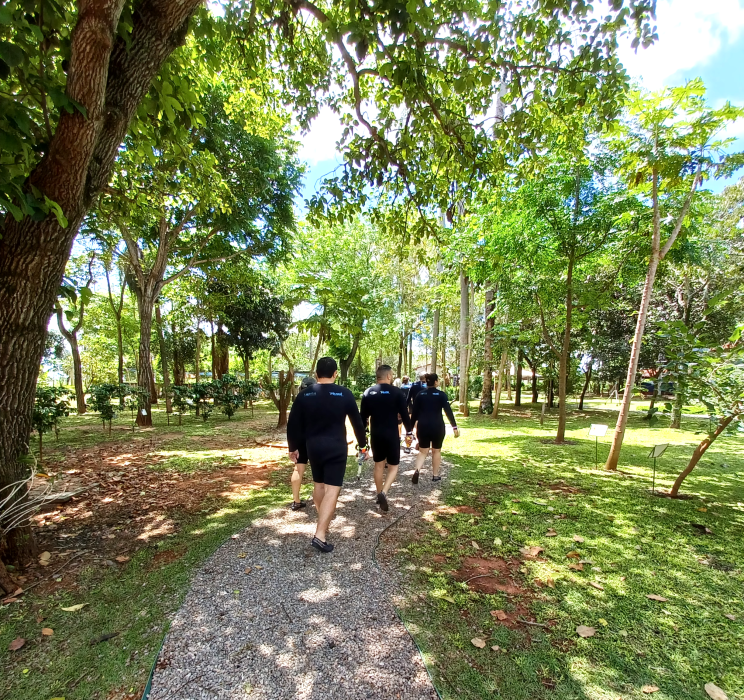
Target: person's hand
294	456
363	453
457	432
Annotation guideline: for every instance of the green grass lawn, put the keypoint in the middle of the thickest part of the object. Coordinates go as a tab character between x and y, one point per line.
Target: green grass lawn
516	487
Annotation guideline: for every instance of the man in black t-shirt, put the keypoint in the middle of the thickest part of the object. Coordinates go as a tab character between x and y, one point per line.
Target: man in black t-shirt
318	421
383	403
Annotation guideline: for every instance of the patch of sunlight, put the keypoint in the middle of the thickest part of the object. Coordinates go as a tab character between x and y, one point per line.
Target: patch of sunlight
222	513
161	526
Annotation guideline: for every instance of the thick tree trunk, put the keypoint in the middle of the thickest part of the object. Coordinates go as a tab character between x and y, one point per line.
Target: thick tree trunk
507	379
677	405
77	374
164	361
518	379
487	394
222	354
464	316
497	398
401	350
145	378
587	379
700	450
108	76
7	585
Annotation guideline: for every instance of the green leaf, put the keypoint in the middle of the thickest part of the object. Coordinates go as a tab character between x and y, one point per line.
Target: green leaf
10	53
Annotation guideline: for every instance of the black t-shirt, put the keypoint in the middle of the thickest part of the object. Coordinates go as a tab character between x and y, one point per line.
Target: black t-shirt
428	407
382	403
413	392
318	420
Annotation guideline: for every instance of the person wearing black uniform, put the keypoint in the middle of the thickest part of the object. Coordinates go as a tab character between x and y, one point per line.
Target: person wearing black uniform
416	387
317	420
427	417
299	468
384	403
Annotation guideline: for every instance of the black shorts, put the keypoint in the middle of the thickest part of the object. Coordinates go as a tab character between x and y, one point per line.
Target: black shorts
329	471
386	448
430	436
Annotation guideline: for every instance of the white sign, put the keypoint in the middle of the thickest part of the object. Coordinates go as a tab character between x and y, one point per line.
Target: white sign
143	412
597	430
657	451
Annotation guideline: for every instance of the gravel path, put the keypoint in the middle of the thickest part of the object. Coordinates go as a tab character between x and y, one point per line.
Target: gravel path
301	624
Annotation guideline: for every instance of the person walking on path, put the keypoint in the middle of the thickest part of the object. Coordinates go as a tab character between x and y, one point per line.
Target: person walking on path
416	387
430	431
299	466
317	420
384	404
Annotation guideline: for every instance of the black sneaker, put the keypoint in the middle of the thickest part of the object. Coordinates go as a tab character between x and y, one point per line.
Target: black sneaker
378	498
321	546
298	506
414	478
382	500
436	478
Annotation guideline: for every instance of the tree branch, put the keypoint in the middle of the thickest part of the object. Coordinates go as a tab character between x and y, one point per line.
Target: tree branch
682	214
545	333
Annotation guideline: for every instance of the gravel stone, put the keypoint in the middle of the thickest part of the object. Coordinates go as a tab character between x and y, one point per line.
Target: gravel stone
301	624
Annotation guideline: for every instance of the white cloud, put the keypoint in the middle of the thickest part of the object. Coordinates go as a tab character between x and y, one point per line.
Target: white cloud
690	34
319	143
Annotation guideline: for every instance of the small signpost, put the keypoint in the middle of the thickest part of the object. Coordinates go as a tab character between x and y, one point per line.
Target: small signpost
656	452
597	430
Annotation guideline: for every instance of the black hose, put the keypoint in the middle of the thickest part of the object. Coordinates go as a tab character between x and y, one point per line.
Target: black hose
397	612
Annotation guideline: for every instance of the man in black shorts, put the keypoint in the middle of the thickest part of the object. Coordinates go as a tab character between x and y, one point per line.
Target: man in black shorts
300	461
427	417
384	403
318	421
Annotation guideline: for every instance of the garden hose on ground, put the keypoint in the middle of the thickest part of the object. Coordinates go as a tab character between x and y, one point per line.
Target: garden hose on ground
146	693
397	612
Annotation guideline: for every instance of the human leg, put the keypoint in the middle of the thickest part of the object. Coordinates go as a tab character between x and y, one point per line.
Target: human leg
326	509
392	474
318	495
436	461
421	457
379	475
296	481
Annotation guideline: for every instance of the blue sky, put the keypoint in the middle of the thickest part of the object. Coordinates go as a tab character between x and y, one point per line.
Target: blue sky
696	39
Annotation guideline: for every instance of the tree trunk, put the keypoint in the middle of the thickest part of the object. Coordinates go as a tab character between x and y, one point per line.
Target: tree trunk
535	391
564	358
487	394
518	379
145	379
77	373
222	358
197	356
657	254
700	451
346	362
650	413
497	398
7	585
317	350
587	379
679	400
507	379
213	354
164	361
464	315
401	350
551	393
108	76
435	341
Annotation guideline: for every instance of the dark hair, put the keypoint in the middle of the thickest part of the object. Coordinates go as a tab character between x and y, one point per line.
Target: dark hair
431	379
325	368
383	371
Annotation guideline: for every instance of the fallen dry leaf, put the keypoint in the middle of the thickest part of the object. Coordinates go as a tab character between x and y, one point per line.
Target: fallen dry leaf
514	512
653	596
576	567
495	647
551	533
598	586
475	545
530	551
584	631
75	608
549	582
648	689
478	642
578	538
248	570
573	555
122	558
16	644
45	556
242	555
730	616
715	692
47	631
6	601
499	614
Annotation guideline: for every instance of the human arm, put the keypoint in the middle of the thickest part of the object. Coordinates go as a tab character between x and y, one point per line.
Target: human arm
403	411
295	427
356	419
448	409
365	409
